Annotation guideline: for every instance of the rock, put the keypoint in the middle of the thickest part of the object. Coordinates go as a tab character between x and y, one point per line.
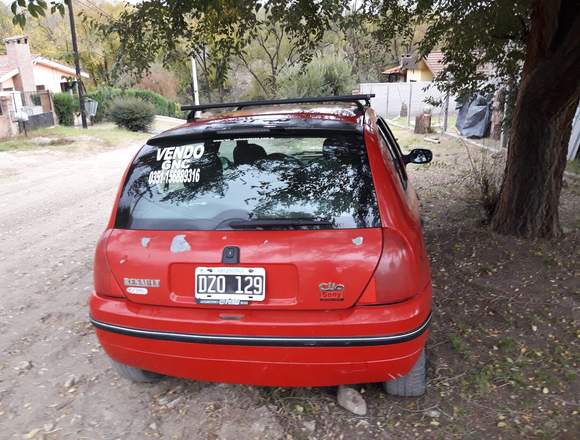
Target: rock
153	426
164	400
24	366
310	426
298	408
362	424
31	434
174	402
351	400
48	427
433	414
71	381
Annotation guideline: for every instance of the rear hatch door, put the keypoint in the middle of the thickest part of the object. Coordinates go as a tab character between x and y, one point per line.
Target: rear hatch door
185	200
318	269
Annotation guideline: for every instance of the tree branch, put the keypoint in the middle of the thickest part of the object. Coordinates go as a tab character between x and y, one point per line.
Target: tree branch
249	69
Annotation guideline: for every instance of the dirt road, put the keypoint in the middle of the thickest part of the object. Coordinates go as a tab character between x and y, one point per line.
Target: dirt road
56	382
53	375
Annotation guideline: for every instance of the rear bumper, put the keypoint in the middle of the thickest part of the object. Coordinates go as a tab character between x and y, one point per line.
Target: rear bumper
274	348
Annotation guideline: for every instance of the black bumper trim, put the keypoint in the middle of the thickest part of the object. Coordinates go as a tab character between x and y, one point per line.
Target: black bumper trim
269	341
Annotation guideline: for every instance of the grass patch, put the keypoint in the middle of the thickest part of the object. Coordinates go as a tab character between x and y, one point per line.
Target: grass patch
58	136
17	143
573	166
458	344
508	345
481	380
408	140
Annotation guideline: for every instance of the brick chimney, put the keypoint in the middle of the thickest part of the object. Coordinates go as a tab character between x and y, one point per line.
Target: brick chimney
18	51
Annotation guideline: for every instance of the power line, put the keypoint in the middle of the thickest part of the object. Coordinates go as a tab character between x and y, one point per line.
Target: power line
90	5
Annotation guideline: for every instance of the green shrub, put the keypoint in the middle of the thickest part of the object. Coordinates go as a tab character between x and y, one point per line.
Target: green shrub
65	106
106	95
132	113
326	76
163	106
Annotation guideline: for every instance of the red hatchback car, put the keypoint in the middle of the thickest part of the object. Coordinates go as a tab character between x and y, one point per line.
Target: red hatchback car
277	244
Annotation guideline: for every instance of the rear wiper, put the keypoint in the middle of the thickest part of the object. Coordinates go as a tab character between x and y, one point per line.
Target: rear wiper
277	222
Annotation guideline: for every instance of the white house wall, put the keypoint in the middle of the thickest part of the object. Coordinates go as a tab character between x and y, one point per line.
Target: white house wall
390	97
49	78
7	84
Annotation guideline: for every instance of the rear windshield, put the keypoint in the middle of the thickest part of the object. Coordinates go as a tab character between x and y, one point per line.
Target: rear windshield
251	183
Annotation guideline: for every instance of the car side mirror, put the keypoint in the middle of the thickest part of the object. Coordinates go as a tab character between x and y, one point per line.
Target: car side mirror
418	156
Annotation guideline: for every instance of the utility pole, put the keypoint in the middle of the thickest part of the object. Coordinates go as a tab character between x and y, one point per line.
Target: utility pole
194	81
445	112
80	90
410	98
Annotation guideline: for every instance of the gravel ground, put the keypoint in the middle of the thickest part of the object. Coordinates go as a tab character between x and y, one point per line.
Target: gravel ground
56	382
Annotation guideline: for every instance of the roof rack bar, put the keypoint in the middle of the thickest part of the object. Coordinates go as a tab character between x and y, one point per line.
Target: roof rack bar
347	98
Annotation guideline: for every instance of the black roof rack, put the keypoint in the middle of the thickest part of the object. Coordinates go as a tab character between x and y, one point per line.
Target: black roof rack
356	99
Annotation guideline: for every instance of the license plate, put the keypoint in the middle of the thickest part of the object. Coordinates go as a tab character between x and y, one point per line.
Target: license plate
230	285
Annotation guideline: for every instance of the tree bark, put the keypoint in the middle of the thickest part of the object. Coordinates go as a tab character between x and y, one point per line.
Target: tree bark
547	99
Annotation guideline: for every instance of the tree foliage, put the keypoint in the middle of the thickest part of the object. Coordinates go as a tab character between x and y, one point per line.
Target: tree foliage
478	39
50	36
325	76
471	34
271	53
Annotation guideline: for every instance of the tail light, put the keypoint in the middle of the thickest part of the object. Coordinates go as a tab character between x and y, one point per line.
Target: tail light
104	282
397	276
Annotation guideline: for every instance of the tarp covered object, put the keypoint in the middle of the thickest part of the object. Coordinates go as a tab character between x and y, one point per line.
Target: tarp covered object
474	117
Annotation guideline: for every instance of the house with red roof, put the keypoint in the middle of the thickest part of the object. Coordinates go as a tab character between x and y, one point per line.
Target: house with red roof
27	82
415	68
21	71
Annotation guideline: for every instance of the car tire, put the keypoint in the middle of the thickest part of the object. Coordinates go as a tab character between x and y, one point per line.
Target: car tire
411	385
135	374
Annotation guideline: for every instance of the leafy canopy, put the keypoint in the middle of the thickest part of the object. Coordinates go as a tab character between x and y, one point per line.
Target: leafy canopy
472	33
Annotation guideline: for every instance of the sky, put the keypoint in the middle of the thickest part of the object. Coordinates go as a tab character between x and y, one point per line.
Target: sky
9	2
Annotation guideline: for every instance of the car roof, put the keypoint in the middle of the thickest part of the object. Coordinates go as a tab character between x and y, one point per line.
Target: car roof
268	120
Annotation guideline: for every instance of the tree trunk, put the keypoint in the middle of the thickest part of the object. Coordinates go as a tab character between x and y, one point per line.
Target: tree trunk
497	114
540	131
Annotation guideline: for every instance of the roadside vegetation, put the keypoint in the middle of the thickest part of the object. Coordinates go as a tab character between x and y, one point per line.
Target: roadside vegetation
65	107
574	166
104	135
62	137
134	114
